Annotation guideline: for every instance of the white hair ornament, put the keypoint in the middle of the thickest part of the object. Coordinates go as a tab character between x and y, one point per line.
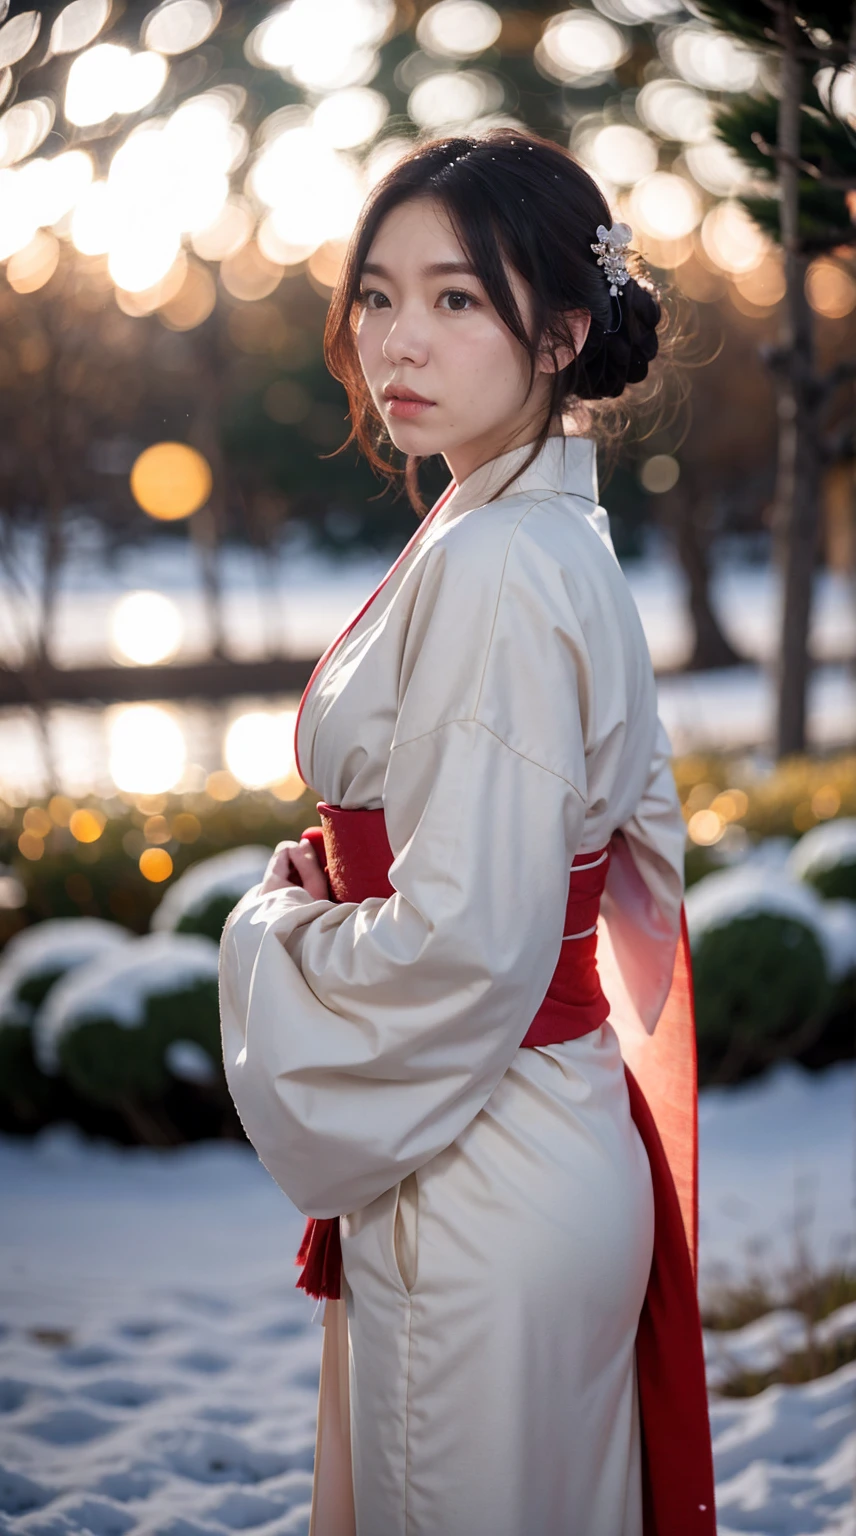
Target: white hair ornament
610	248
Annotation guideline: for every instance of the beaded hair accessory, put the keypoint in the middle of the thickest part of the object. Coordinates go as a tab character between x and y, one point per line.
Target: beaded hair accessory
610	248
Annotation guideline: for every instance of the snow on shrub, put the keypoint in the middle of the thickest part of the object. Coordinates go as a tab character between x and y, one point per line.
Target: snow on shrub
200	900
111	1027
31	963
840	924
825	857
763	963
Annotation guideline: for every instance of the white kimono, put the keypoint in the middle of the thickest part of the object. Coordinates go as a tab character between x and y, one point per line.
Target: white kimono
497	699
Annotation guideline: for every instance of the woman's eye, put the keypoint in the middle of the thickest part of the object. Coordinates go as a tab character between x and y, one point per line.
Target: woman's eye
457	293
367	293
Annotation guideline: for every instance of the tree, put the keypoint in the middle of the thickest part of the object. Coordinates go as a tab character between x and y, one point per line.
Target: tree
800	144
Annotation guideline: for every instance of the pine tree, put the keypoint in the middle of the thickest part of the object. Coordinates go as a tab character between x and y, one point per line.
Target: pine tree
801	149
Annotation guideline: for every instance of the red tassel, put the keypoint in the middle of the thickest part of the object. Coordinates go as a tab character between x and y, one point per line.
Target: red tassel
320	1254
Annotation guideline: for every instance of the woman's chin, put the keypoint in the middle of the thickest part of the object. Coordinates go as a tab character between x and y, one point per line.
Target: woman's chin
415	437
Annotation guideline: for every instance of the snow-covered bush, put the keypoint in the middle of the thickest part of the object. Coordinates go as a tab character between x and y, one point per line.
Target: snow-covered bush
826	858
762	966
112	1027
200	900
31	963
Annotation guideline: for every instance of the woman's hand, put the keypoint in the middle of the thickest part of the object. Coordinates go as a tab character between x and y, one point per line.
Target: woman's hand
295	864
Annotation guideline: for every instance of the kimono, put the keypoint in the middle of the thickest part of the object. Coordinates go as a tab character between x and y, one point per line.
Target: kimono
495	697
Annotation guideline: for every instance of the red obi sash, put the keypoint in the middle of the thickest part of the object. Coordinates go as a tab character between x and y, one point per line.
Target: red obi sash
677	1471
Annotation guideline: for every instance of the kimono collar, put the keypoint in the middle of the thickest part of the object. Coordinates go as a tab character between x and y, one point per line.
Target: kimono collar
565	465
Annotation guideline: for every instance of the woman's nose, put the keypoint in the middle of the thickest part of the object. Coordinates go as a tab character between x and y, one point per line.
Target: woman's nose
403	344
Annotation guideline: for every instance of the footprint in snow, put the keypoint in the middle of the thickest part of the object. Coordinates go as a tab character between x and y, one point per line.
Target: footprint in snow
19	1495
70	1426
13	1394
205	1361
121	1393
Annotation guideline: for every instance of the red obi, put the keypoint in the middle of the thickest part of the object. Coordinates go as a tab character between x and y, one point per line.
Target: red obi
354	849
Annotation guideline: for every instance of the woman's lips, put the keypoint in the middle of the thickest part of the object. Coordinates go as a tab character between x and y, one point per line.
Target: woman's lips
397	407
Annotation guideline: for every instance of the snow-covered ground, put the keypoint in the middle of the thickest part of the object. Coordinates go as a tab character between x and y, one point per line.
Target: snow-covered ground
296	606
158	1370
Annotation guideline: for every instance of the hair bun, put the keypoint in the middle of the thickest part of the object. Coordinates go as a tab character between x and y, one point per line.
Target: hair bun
610	360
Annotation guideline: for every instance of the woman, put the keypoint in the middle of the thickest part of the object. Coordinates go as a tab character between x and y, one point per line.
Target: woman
505	1358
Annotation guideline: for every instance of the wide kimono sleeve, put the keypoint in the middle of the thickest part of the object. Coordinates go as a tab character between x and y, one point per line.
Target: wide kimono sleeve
361	1039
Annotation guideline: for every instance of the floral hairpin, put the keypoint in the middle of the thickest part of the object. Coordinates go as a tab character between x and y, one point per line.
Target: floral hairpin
610	247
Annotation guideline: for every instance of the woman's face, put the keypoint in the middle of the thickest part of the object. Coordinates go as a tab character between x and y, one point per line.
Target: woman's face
426	325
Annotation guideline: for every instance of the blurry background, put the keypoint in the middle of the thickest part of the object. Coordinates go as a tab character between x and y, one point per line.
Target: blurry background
179	540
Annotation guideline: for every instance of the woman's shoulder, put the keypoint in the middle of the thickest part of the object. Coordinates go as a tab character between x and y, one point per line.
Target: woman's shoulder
551	541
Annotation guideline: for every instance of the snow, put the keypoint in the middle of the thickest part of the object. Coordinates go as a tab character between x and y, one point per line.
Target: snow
730	709
224	874
776	1172
116	986
751	888
57	944
840	922
159	1370
824	847
763	1344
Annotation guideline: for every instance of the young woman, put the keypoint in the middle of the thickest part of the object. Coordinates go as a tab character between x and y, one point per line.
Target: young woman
414	1027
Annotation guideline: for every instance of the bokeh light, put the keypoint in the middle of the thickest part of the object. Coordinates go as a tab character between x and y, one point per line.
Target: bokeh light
180	25
24	127
458	29
17	37
674	111
323	45
87	825
717	168
91	222
145	628
452	97
170	481
147	751
660	473
29	269
665	205
227	233
732	240
155	864
259	747
346	119
623	154
578	45
709	59
17	220
250	274
762	287
109	78
78	25
314	193
831	289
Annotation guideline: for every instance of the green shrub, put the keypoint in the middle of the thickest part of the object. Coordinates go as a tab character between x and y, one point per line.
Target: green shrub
32	962
761	970
826	858
200	900
109	1029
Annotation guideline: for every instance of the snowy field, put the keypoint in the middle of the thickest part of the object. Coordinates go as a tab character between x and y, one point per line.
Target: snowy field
159	1370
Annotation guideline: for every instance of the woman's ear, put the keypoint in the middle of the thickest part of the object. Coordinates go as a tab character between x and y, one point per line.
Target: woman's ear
578	322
